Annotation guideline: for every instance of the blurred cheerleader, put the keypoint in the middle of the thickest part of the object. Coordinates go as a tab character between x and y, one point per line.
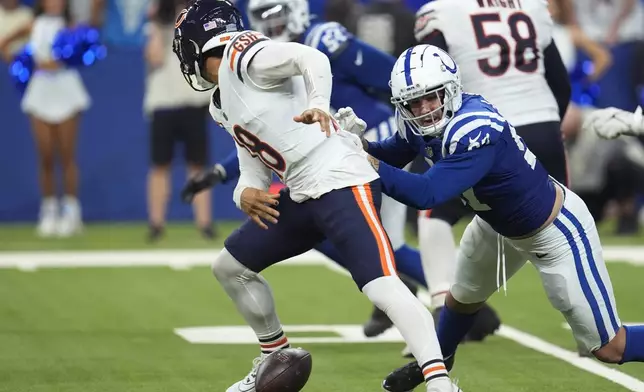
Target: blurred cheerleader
54	99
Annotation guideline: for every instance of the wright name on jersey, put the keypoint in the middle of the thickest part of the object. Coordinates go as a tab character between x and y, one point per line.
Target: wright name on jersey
258	101
499	46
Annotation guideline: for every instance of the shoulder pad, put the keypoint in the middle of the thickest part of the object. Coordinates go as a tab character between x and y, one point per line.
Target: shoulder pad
330	38
472	130
240	50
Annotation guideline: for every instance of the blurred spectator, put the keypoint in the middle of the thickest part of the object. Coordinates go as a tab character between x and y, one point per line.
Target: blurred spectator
607	170
15	23
87	11
569	38
387	25
611	21
178	114
54	99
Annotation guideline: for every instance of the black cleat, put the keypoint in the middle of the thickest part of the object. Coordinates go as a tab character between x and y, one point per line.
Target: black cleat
377	324
487	323
208	233
155	233
408	377
404	379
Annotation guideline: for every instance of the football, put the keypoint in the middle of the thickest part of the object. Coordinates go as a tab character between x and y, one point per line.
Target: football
285	370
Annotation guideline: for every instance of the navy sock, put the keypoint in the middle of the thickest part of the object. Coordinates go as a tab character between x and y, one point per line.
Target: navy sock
634	350
408	263
452	328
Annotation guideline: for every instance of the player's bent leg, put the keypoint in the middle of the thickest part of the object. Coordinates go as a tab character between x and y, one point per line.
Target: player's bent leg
251	249
439	258
568	256
254	301
350	219
408	261
475	281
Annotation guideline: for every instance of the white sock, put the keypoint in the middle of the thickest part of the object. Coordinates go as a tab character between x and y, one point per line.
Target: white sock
438	254
413	320
48	204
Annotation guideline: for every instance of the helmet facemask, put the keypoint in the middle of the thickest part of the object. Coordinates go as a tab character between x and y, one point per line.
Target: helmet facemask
192	61
430	122
272	21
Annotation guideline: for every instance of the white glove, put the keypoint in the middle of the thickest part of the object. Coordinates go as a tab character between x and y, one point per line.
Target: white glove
611	122
422	28
350	122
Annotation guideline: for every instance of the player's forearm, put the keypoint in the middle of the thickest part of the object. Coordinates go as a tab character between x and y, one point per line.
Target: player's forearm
230	167
414	190
393	150
447	179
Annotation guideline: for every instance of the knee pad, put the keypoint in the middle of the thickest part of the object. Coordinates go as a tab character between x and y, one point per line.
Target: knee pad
226	267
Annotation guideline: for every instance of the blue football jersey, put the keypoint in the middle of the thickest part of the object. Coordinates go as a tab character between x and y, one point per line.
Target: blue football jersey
361	75
479	158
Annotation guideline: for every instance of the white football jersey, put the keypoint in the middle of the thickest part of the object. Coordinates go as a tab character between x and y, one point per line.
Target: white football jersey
287	78
498	44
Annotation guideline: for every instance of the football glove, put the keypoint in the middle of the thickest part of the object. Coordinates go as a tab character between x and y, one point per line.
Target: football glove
350	122
202	181
611	122
422	29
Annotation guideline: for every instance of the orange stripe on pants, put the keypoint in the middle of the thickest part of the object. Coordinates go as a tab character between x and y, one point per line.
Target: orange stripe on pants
370	214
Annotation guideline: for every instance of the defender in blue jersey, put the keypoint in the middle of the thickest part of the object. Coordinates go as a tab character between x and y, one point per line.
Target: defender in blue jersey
521	212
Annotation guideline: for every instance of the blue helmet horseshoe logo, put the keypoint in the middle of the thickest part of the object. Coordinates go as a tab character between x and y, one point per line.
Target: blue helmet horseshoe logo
452	69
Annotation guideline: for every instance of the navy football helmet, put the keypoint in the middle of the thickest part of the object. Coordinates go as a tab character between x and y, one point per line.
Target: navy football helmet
202	30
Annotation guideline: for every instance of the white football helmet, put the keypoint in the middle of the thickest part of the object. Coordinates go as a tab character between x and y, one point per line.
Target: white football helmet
420	71
280	20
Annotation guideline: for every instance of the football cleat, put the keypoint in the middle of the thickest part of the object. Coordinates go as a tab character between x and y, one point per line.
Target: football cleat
408	377
247	384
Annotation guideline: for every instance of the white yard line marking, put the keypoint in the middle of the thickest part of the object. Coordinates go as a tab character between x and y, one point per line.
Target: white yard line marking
587	364
181	259
185	259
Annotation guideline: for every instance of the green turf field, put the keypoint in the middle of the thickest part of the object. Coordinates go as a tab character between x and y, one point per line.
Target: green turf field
117	329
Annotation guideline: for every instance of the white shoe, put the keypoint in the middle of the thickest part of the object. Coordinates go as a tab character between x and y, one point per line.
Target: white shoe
247	384
48	221
70	222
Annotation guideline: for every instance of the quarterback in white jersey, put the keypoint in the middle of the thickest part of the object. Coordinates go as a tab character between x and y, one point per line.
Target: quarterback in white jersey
332	191
506	53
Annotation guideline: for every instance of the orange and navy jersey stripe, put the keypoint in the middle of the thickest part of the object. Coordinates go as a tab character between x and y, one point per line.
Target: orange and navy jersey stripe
239	47
364	198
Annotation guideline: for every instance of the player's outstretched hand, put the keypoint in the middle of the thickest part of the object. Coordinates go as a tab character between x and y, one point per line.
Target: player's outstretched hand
350	122
611	122
311	116
259	205
201	182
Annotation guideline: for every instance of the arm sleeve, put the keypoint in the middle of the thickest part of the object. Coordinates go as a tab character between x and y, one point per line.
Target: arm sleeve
393	150
276	61
448	178
231	167
557	77
253	174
